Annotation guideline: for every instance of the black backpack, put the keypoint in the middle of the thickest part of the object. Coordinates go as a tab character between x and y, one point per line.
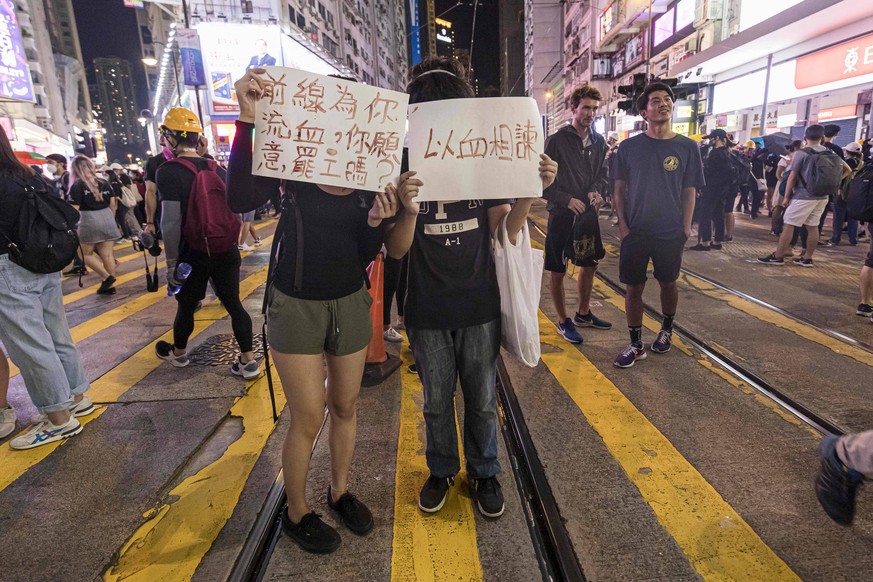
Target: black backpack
821	173
859	202
44	238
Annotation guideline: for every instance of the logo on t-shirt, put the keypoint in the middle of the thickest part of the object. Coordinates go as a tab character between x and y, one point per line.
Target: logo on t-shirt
671	163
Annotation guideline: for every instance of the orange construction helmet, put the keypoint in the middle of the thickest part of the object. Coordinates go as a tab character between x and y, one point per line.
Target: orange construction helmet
182	120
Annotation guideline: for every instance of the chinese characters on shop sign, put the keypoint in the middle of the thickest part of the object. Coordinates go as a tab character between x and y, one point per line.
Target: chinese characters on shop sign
476	149
314	128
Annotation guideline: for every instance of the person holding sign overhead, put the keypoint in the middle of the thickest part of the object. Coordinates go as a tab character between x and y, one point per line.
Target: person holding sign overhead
452	310
318	312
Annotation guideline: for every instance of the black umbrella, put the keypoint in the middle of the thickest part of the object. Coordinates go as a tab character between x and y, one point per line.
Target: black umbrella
777	142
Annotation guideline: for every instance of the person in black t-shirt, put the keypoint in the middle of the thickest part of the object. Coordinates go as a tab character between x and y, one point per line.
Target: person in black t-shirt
181	130
657	175
452	309
152	208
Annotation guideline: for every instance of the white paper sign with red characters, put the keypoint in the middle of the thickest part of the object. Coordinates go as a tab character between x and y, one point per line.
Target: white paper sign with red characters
476	149
324	130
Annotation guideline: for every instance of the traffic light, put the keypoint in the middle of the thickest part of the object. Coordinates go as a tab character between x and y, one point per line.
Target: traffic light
680	92
632	92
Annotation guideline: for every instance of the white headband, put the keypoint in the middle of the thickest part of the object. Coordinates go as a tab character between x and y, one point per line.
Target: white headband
436	71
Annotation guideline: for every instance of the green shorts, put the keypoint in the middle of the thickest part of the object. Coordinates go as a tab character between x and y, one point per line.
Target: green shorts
302	326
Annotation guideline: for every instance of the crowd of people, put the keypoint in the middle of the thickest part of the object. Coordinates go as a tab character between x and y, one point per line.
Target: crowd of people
317	303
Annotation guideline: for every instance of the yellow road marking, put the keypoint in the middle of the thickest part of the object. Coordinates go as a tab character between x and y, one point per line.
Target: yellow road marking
112	385
427	547
719	544
106	320
121	279
178	534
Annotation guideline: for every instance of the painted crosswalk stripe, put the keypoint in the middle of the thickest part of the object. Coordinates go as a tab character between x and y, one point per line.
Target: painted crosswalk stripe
427	547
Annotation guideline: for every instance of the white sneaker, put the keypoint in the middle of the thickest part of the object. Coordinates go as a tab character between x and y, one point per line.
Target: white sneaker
258	242
44	432
82	408
245	247
249	370
392	336
7	421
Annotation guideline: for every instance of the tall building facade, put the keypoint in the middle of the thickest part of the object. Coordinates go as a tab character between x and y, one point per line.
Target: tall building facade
512	48
117	107
543	50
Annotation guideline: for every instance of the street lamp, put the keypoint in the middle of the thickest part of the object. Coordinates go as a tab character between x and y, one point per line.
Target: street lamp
150	61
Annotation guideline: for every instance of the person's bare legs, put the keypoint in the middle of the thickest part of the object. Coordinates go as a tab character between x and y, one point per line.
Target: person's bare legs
4	380
244	232
729	222
784	241
811	241
584	285
556	287
107	255
669	298
302	379
633	305
343	386
94	262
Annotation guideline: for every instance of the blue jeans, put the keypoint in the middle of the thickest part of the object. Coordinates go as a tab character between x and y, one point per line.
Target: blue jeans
839	218
35	332
442	357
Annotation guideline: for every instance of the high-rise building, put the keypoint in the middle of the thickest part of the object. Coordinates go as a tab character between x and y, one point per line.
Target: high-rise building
445	38
543	52
512	48
118	108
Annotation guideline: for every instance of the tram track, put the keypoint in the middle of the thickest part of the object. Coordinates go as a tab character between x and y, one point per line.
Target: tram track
731	364
551	542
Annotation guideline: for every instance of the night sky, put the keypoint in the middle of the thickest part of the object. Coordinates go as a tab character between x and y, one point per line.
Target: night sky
486	48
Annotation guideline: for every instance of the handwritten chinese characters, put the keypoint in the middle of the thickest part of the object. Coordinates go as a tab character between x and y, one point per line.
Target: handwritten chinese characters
468	149
329	131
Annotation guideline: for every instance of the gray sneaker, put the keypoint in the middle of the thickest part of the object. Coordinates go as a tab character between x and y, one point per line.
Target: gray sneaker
7	422
248	370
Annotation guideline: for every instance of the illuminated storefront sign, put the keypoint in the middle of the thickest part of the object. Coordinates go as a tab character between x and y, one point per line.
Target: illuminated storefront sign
843	61
608	19
15	82
836	113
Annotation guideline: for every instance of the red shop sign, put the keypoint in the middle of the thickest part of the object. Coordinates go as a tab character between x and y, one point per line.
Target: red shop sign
841	112
843	61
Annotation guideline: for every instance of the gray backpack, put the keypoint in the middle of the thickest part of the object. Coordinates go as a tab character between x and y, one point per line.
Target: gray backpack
822	172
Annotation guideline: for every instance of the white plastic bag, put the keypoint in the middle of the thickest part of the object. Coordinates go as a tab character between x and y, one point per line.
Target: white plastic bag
519	275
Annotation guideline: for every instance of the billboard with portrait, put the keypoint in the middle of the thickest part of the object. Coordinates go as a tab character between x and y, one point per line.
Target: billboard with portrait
15	81
297	56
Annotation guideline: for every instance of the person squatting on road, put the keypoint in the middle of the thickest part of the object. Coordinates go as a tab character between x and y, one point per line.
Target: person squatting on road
452	310
573	200
177	181
318	313
846	462
657	175
34	328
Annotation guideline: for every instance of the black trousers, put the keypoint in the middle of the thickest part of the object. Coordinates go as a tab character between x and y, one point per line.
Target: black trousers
223	269
396	276
711	208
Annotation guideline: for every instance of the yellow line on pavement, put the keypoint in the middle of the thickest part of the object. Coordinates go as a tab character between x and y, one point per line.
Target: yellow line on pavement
112	385
719	544
106	320
178	534
434	547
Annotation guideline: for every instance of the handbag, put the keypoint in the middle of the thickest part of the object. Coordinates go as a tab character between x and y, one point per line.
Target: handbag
519	272
585	244
762	184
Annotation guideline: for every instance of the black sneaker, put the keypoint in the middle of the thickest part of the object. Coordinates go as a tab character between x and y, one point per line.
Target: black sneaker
434	493
354	514
106	286
715	247
800	261
311	534
771	260
412	369
489	497
699	247
836	485
590	320
864	309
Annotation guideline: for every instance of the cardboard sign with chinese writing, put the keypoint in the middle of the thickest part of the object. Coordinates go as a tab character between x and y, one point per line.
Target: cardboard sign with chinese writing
476	149
324	130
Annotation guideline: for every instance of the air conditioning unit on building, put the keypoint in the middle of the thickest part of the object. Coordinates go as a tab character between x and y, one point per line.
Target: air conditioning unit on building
708	10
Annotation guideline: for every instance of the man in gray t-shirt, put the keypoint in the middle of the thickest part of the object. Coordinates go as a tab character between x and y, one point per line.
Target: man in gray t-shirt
803	207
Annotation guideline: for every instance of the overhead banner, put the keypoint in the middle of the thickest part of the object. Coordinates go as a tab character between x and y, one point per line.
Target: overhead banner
192	57
324	130
15	81
476	149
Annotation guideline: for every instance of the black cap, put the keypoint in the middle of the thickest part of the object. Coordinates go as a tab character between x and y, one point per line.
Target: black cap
717	133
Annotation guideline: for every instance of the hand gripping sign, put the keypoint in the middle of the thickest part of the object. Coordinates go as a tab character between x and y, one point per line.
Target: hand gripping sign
475	149
325	130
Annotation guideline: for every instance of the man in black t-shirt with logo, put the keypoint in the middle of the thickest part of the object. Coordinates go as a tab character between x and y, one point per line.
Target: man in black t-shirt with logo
657	175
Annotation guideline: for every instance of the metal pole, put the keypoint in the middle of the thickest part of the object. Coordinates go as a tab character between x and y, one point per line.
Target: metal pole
766	96
650	42
176	74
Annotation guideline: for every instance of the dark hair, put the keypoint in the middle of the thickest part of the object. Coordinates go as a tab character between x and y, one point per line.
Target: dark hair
57	158
814	132
451	84
9	163
831	130
188	140
584	92
795	145
643	100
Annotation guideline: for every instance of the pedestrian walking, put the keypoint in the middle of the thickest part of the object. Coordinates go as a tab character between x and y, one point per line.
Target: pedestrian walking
719	176
318	317
96	202
855	161
815	171
452	310
34	328
865	307
657	175
573	201
185	198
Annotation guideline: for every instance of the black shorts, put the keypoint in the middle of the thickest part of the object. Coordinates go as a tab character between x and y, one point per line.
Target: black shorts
638	249
729	203
558	237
